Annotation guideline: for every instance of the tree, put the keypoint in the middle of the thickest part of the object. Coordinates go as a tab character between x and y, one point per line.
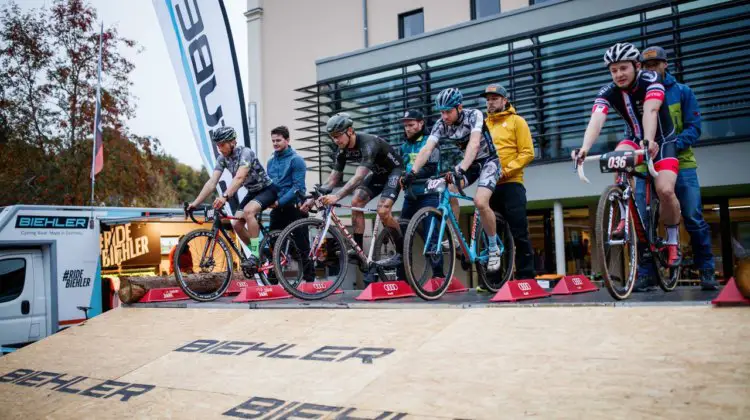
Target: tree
48	78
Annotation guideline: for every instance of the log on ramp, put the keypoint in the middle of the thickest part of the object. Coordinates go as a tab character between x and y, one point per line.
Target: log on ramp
567	362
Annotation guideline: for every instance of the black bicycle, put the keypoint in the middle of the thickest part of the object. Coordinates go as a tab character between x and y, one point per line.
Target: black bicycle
204	260
619	248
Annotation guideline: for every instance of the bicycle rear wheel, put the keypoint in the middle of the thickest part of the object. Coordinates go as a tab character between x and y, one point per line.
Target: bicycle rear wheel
203	265
428	268
494	281
618	257
301	256
266	271
385	247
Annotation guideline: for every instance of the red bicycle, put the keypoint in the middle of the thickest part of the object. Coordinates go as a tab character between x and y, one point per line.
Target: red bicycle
619	249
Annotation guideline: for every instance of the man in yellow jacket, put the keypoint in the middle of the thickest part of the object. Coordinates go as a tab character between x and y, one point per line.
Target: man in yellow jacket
512	139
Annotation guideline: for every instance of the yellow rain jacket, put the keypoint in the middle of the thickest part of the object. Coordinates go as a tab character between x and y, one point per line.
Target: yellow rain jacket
512	139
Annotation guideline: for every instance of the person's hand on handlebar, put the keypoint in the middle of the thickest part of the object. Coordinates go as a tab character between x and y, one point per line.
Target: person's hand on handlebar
578	155
653	148
330	199
219	202
408	179
457	175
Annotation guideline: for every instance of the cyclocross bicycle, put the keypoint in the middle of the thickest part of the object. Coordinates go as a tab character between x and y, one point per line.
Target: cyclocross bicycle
210	251
326	243
426	242
618	252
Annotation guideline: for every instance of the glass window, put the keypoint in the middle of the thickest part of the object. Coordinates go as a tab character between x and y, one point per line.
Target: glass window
482	8
411	23
12	278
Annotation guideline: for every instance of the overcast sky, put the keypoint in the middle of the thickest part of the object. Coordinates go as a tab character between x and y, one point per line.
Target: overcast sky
160	111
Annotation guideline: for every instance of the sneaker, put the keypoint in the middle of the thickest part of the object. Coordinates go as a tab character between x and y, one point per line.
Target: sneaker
644	284
708	280
493	263
619	231
674	256
370	277
251	263
481	289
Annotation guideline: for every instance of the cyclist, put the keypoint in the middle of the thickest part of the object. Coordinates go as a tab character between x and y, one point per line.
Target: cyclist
637	96
378	173
247	171
466	128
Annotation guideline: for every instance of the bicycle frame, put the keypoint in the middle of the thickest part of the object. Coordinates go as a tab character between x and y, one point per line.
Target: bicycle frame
642	235
329	215
444	207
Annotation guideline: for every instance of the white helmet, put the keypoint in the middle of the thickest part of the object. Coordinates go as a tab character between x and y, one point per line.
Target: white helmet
621	52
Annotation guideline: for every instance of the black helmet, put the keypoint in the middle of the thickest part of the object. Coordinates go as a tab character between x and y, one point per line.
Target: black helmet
338	123
222	134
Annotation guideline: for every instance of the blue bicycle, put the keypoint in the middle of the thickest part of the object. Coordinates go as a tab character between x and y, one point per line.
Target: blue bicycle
426	236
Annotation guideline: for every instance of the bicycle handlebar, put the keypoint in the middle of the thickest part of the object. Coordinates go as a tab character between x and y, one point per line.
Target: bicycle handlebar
644	152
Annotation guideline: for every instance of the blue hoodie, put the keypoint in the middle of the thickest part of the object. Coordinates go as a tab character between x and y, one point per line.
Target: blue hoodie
287	169
686	117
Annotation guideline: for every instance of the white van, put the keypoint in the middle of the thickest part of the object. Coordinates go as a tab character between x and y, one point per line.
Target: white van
51	263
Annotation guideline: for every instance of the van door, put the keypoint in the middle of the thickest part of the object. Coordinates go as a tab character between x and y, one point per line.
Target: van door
16	295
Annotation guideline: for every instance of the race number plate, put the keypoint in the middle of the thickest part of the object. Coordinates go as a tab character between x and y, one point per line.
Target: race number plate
618	161
210	214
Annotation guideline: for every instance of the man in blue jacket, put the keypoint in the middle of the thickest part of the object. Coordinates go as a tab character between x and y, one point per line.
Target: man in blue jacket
687	122
415	139
287	169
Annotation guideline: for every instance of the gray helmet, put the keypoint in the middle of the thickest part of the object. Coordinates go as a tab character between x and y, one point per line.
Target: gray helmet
222	134
338	123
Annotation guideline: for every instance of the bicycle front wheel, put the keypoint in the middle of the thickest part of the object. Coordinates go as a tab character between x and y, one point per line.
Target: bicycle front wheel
203	265
428	263
308	265
494	281
618	256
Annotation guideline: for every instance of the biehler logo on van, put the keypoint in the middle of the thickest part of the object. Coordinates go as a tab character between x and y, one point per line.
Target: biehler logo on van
51	222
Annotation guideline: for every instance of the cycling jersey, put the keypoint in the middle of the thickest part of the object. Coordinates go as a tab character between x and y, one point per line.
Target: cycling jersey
628	103
380	158
242	156
372	152
469	121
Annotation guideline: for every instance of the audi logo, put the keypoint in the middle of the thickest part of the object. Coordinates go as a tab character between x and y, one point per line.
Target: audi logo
577	281
319	286
524	286
390	287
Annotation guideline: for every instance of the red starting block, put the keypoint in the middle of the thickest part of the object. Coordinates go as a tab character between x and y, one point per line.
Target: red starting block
730	294
164	294
386	290
255	293
515	290
569	285
454	287
236	286
317	287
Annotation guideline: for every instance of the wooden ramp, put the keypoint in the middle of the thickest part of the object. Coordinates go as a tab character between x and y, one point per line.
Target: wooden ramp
565	362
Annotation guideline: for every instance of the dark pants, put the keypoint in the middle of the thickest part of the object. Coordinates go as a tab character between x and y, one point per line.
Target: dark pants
282	217
688	191
509	199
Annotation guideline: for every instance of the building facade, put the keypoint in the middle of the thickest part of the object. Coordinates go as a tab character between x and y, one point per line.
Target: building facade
374	59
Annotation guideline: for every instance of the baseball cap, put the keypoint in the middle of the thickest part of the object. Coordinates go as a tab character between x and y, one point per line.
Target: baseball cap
413	114
496	89
653	53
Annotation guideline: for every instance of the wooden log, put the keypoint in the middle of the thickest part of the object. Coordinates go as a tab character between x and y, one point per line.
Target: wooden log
132	289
